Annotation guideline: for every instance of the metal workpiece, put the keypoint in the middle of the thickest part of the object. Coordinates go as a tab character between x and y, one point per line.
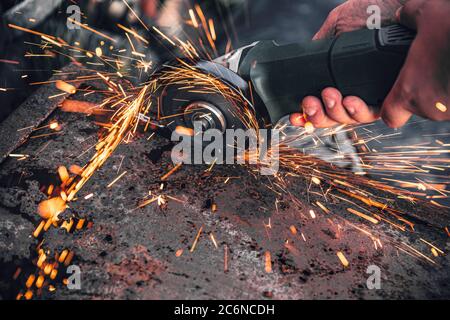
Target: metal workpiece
17	128
148	253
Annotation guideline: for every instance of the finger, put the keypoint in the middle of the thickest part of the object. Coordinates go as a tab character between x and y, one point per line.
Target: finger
328	28
150	7
297	119
394	111
359	111
395	116
314	113
407	15
332	99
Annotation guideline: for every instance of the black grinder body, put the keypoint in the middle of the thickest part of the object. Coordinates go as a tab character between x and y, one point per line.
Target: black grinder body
363	63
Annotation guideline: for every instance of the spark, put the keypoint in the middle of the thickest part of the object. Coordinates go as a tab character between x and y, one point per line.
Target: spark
63	174
49	209
193	18
343	259
52	41
225	258
30	281
212	29
303	237
418	253
213	239
91	29
362	215
117	179
9	61
98	52
147	202
441	107
14	155
17	273
194	244
164	36
172	171
321	206
28	295
134	13
39	228
57	95
133	33
309	127
66	87
432	246
80	224
267	262
13	26
434	252
293	230
77	170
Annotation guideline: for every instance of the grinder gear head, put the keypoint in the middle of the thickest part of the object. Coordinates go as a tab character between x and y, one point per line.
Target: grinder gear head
206	92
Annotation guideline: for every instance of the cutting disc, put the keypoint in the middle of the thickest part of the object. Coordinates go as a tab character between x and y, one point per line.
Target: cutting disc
207	93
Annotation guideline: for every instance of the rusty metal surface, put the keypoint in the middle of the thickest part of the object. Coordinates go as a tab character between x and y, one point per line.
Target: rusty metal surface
129	253
15	129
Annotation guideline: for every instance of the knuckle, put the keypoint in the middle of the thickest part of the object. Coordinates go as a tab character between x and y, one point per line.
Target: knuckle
390	122
335	12
387	119
405	96
438	116
405	90
333	17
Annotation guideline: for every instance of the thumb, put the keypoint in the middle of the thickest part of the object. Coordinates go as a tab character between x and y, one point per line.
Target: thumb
328	28
394	112
408	14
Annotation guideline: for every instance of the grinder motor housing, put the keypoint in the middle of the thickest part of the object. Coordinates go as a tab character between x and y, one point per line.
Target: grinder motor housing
363	63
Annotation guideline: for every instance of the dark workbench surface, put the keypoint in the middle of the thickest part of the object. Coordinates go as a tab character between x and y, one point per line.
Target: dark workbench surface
130	253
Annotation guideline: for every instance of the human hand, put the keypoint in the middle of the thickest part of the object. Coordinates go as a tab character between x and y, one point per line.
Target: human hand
150	8
423	84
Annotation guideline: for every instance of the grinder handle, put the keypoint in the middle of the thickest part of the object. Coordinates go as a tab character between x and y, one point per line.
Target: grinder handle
362	63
